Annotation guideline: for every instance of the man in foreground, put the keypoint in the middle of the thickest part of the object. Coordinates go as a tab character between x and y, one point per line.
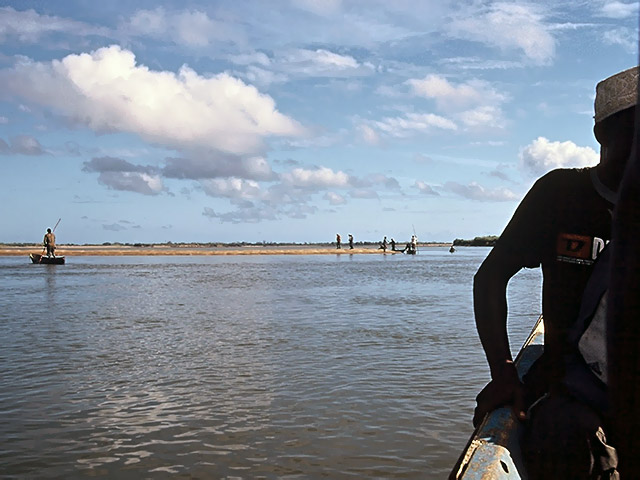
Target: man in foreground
562	224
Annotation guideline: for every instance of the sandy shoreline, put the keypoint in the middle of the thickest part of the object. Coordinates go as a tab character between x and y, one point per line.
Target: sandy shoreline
168	250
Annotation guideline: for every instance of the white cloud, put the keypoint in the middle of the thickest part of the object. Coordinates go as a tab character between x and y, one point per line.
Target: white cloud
487	116
106	91
425	188
119	174
541	156
234	188
190	28
369	135
21	145
320	63
335	198
619	10
450	97
138	182
413	123
322	177
625	37
28	26
475	191
508	26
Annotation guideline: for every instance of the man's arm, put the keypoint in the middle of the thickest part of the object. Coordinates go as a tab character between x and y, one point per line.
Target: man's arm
490	306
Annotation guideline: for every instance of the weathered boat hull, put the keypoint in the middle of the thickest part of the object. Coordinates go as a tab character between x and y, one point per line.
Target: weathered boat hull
43	259
493	452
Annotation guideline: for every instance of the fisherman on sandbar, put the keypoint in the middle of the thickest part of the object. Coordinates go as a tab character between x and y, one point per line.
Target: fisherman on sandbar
393	245
350	241
338	241
49	242
383	245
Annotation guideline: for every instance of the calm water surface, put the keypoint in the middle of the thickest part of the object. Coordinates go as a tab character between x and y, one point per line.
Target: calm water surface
361	366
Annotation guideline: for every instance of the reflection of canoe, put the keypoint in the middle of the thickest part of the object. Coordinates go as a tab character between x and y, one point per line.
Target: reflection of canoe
494	448
43	259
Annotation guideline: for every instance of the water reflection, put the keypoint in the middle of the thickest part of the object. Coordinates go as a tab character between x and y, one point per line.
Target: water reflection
220	367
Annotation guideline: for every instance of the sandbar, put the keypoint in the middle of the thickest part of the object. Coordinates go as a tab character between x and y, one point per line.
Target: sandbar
189	249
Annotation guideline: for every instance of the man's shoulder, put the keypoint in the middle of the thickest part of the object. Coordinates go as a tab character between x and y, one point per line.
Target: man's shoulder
563	182
566	174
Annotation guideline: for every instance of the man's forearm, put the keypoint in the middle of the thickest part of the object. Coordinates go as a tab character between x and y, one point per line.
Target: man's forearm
490	306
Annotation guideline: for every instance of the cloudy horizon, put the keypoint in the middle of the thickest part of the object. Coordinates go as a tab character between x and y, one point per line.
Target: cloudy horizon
294	120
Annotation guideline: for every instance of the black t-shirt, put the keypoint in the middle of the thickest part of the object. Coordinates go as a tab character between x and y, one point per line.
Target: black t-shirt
561	224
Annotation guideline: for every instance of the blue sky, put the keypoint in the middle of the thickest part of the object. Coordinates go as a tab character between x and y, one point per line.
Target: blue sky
293	120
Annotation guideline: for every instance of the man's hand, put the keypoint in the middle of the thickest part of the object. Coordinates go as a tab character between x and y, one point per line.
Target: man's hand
506	389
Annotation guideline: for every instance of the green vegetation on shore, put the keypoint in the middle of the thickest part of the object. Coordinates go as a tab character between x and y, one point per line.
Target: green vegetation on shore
487	241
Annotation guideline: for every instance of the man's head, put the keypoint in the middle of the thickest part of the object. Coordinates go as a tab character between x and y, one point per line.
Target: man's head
48	230
616	98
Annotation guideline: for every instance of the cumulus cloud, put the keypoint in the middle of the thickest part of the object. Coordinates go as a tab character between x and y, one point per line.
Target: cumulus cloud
508	26
542	155
451	97
118	174
425	188
234	188
475	191
108	92
21	145
335	198
214	165
475	103
322	177
28	26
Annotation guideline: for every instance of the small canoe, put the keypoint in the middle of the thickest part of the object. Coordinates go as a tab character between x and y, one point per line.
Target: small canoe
493	452
43	259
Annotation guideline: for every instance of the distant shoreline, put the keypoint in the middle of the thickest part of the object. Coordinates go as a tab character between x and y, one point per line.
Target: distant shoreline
195	249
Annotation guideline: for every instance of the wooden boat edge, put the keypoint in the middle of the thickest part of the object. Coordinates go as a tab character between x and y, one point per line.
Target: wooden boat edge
493	451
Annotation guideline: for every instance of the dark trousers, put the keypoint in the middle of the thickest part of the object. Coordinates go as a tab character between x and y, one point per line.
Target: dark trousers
565	439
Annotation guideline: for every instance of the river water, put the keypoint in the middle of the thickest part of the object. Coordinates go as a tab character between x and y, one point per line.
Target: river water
362	366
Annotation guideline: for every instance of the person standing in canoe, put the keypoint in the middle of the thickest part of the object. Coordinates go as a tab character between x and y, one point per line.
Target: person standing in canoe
562	224
50	243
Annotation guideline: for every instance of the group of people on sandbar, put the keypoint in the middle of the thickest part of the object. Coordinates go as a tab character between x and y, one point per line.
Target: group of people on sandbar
339	241
411	247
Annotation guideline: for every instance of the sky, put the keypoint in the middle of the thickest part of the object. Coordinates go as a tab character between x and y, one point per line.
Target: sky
293	120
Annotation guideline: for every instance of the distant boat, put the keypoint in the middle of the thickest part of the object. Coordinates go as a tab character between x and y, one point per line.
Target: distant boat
43	259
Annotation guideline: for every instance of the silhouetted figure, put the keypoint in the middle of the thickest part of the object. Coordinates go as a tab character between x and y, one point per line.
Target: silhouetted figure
393	245
350	241
49	242
562	224
383	245
338	241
